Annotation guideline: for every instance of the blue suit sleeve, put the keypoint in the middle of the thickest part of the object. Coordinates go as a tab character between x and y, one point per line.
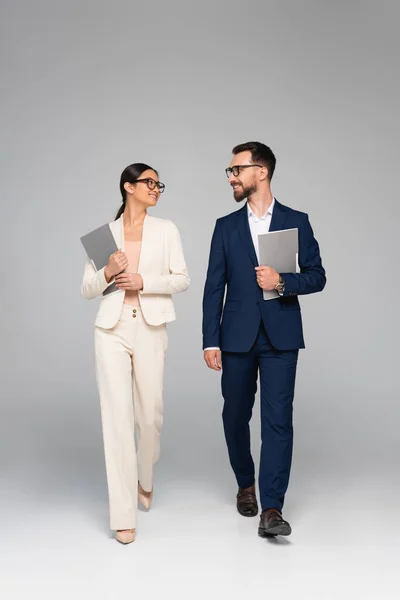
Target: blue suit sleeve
312	276
214	290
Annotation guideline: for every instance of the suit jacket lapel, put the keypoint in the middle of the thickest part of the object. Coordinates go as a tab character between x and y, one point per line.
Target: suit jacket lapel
279	215
243	228
277	223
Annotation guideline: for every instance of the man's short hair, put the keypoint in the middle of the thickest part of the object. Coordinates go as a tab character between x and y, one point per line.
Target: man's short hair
260	153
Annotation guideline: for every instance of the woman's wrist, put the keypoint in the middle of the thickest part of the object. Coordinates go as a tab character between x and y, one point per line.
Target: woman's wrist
107	275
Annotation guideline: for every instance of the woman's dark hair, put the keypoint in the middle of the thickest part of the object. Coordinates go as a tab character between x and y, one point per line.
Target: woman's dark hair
260	153
130	175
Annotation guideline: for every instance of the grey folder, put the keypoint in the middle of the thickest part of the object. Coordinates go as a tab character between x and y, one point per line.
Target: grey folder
99	245
279	250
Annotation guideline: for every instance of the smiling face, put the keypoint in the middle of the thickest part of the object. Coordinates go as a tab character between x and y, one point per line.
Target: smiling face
246	182
140	190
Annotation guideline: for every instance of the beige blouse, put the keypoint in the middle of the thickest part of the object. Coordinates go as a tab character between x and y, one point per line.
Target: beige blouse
132	251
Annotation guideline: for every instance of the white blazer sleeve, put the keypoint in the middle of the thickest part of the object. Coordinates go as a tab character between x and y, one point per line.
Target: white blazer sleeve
178	278
94	282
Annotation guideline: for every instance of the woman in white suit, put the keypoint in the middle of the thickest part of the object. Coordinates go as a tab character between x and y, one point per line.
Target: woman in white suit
131	341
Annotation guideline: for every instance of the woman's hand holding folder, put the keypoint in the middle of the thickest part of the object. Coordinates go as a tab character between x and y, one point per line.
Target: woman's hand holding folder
116	264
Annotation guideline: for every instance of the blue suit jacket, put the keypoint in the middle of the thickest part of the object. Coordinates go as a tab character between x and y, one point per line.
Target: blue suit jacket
231	264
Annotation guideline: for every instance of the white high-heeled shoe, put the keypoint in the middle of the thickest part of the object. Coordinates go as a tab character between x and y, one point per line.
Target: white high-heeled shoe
145	499
125	536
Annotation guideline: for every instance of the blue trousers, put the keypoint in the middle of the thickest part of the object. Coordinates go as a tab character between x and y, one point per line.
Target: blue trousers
277	371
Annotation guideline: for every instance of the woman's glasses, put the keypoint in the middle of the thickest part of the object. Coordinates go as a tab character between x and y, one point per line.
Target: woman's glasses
151	184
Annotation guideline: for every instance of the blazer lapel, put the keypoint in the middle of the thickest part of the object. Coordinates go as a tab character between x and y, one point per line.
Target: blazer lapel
243	228
147	233
279	215
117	229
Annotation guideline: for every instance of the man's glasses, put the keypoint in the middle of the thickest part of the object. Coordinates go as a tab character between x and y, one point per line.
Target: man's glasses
236	169
151	184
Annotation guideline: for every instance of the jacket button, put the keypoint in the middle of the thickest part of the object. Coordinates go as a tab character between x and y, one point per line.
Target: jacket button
134	316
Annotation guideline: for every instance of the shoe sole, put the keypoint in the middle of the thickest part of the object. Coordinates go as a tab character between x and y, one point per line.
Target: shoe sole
246	514
273	531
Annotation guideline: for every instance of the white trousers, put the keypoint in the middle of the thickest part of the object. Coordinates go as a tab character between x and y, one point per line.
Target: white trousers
130	361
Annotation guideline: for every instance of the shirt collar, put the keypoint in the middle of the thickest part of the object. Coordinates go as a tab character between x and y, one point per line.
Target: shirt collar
250	213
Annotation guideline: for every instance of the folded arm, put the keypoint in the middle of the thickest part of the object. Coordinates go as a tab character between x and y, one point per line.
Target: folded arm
94	282
312	277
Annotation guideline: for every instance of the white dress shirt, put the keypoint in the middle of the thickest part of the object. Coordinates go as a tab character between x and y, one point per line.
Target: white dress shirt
257	227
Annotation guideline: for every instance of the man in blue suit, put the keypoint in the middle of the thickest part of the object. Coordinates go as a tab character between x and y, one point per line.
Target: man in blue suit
255	335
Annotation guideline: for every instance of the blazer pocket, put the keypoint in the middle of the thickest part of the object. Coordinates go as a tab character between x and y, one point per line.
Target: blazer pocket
232	305
99	321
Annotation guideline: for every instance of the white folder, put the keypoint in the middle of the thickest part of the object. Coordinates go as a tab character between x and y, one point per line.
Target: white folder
279	250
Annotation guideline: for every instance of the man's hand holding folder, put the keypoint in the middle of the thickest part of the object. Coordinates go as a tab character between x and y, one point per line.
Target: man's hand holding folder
267	278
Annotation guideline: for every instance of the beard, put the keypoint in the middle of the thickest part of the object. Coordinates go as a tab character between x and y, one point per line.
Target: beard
244	192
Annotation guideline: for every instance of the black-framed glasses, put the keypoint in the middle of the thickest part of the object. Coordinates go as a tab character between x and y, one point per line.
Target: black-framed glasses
151	184
236	169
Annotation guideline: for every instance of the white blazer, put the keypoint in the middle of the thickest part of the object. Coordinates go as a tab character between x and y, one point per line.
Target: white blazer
161	265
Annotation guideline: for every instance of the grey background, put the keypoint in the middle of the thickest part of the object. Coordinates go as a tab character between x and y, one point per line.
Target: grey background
90	87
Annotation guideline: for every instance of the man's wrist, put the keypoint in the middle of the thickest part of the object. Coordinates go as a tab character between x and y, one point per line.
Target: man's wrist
280	286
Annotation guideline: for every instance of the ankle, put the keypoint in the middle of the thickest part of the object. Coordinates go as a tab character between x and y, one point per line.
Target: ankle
251	489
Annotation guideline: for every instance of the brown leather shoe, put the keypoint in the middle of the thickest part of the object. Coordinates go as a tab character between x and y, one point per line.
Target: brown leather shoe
272	523
246	502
